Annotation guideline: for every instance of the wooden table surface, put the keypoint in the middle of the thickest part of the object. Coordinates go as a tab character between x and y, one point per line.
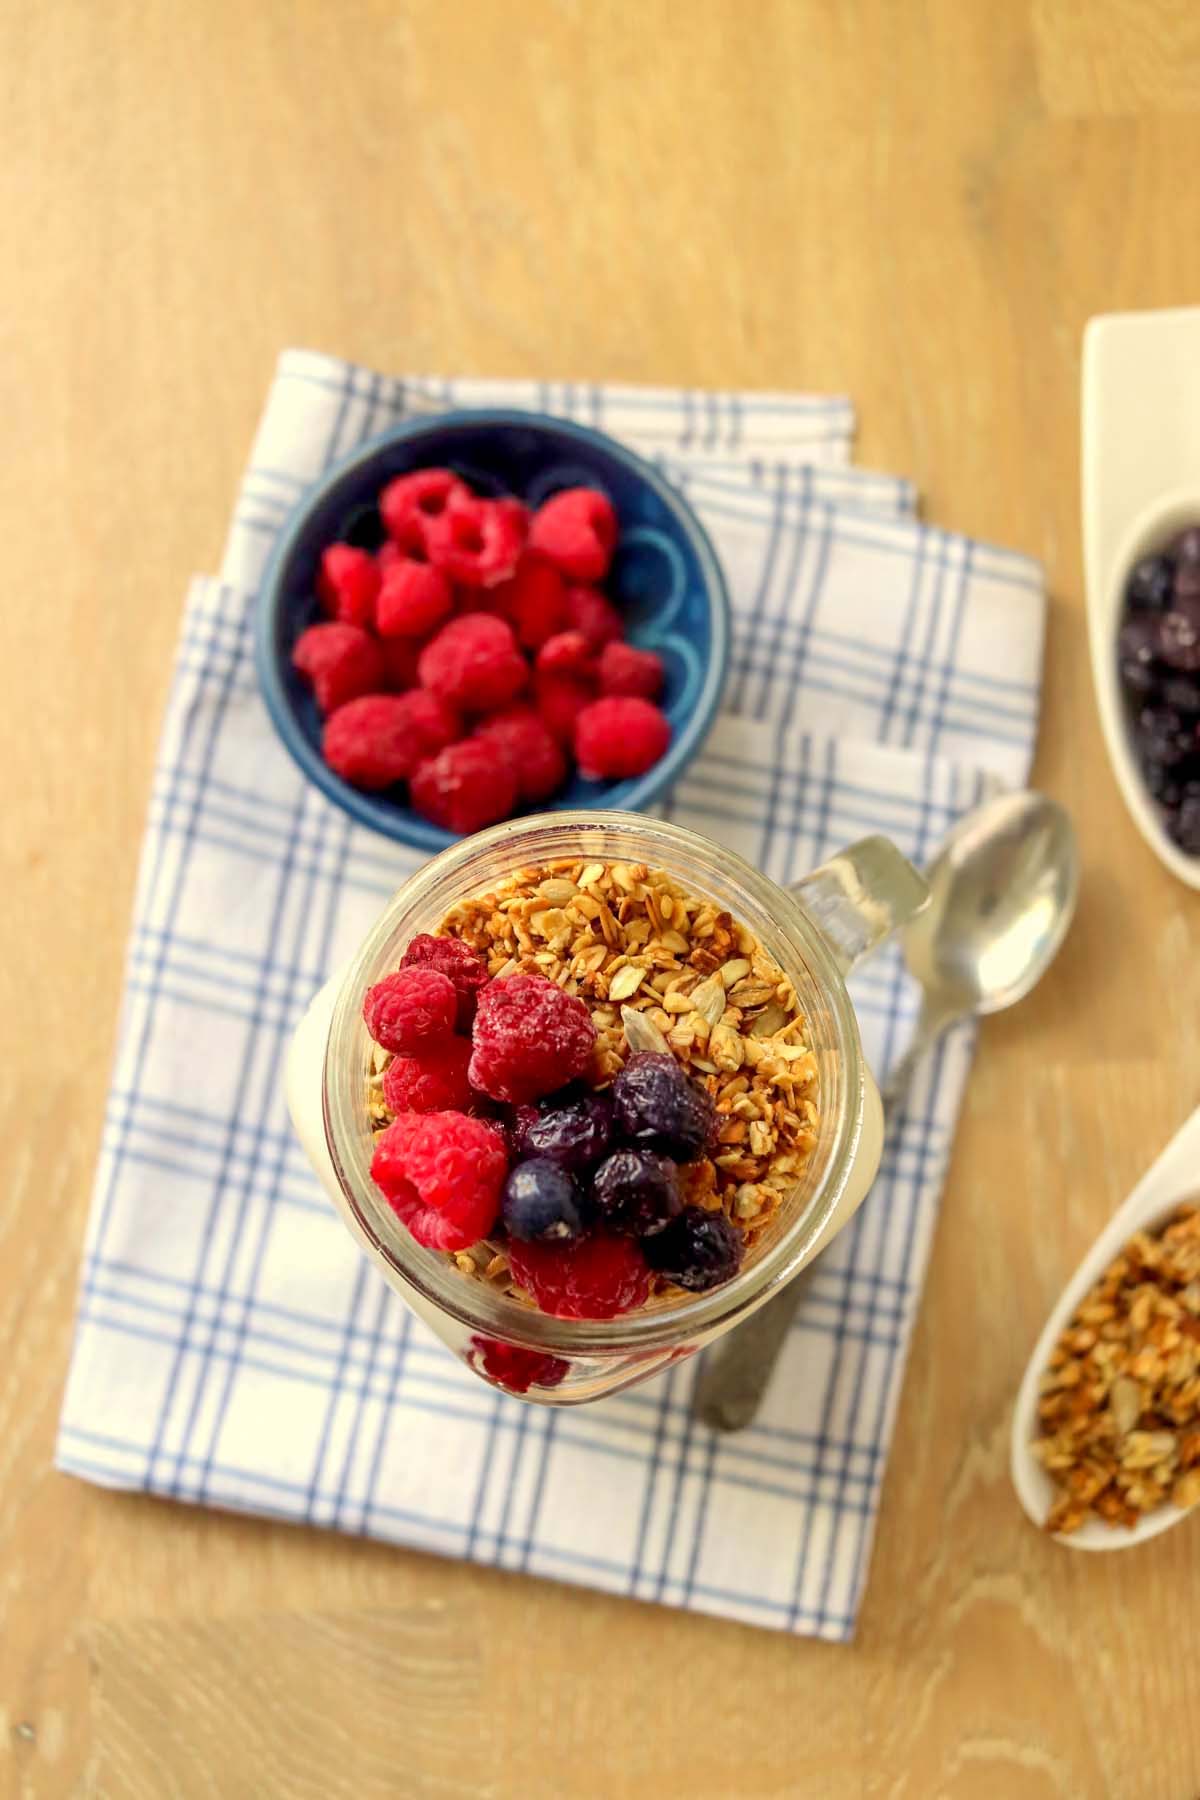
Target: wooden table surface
916	204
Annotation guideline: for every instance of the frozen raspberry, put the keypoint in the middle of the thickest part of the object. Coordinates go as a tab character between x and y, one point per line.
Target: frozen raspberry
698	1250
383	738
339	662
473	663
347	584
441	1173
400	658
615	737
464	787
530	1038
660	1107
475	542
534	601
410	1009
590	612
637	1191
410	503
515	1368
593	1278
576	530
560	699
567	653
414	598
434	1081
466	970
519	734
626	670
389	554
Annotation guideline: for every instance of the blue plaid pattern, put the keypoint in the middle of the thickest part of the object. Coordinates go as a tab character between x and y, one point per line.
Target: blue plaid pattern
234	1349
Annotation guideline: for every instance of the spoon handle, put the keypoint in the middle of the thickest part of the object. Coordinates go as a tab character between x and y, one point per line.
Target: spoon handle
735	1373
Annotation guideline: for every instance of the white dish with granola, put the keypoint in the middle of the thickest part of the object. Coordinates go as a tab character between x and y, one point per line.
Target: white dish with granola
1106	1432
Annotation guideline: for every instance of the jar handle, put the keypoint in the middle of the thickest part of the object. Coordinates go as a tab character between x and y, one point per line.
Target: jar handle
860	896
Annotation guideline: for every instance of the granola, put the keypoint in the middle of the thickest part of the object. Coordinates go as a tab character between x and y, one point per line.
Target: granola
1119	1413
660	969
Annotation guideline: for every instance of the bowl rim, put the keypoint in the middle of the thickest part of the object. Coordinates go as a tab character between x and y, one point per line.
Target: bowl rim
402	825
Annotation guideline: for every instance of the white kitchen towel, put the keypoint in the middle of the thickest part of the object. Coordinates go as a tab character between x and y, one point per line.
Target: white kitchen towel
234	1349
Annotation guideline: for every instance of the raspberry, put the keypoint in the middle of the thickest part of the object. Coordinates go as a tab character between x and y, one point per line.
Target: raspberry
595	1278
389	554
637	1191
538	765
626	670
698	1250
413	599
477	542
382	738
434	1081
441	1173
409	1009
590	612
340	662
473	663
400	657
567	653
410	503
615	737
560	699
453	958
659	1107
347	584
464	787
534	601
513	1367
576	530
530	1038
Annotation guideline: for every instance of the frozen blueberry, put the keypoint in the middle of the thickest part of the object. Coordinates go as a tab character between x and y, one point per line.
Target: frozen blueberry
1186	547
1137	655
1164	736
698	1250
1150	584
1187	582
1163	784
1179	636
637	1192
542	1203
1183	693
657	1105
575	1134
1184	825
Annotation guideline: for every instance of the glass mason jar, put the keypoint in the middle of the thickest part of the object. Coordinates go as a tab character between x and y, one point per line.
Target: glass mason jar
815	931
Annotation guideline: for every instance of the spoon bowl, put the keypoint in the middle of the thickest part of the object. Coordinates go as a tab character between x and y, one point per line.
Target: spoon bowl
1173	1178
1001	894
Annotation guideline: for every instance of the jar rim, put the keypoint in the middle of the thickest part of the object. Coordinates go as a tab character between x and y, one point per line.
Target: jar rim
476	1305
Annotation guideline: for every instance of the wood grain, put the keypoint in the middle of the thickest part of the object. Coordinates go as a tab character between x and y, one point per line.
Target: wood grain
918	205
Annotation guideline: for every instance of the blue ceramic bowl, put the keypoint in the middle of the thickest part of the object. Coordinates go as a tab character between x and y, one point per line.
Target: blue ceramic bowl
665	579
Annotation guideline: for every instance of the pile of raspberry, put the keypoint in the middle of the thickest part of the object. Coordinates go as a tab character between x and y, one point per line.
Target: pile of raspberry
499	1134
475	656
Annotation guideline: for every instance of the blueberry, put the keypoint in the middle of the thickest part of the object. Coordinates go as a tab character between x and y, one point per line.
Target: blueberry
1184	826
1163	736
1149	584
542	1203
1186	547
1137	654
575	1134
1163	785
1179	636
1187	581
698	1250
637	1191
1183	693
659	1106
516	1129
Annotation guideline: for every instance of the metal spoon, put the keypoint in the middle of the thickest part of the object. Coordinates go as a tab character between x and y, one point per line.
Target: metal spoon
1001	894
